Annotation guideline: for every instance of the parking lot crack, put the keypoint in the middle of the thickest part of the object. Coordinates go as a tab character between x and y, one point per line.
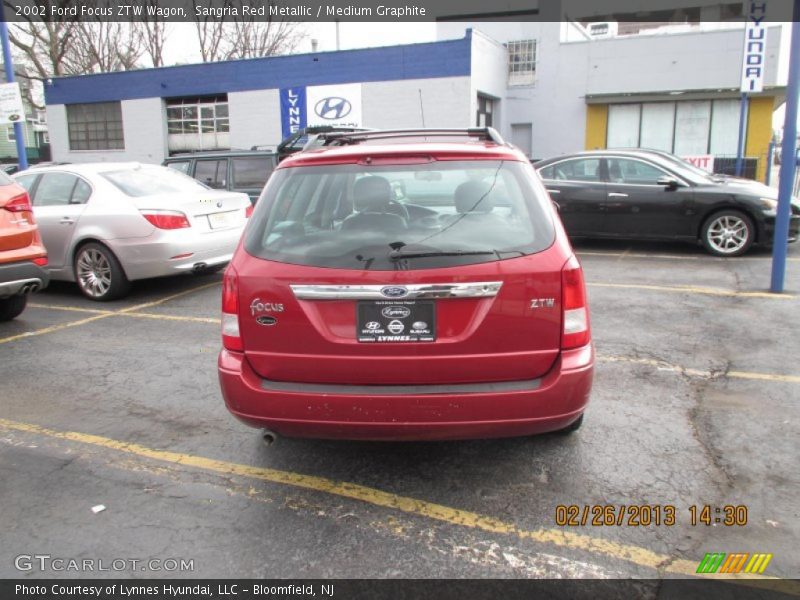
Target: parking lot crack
727	480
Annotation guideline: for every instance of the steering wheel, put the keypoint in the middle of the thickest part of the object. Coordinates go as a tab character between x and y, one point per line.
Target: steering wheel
397	208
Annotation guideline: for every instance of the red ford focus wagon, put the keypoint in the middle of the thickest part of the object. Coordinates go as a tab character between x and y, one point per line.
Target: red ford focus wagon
406	285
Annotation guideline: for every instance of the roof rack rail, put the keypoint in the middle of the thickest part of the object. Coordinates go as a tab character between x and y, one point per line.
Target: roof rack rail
488	134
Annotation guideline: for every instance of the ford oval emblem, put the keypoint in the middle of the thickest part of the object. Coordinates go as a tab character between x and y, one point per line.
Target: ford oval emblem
266	320
394	291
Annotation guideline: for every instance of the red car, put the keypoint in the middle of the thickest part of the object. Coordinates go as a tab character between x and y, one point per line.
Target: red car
390	286
22	254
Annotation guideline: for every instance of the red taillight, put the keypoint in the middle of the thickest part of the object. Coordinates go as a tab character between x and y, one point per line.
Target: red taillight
249	211
166	219
576	313
41	261
231	339
21	203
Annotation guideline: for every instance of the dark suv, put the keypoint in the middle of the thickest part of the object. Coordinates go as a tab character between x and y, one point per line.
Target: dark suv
234	170
246	170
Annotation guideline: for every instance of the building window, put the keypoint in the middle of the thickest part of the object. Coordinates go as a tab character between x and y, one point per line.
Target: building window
198	115
485	112
686	128
12	135
521	62
96	126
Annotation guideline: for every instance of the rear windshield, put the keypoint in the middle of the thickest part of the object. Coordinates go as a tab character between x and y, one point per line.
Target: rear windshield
138	182
401	217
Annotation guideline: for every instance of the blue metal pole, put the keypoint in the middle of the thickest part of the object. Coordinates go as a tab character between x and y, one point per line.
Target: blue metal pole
780	244
22	155
740	145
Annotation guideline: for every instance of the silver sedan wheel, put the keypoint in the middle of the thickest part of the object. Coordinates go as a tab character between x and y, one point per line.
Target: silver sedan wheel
94	272
728	234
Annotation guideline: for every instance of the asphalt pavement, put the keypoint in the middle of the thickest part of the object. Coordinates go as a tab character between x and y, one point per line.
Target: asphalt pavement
695	403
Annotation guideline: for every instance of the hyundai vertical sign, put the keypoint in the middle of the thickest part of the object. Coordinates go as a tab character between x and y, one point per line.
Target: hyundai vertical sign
293	110
755	46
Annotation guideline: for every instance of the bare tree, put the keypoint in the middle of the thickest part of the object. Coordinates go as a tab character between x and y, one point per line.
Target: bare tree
252	39
245	36
48	49
211	33
153	35
105	46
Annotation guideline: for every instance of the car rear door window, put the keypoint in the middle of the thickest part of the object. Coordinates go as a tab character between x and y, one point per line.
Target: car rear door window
54	189
81	193
212	172
27	181
635	172
251	172
581	169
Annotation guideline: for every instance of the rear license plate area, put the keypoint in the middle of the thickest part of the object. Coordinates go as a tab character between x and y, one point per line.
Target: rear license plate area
396	321
222	220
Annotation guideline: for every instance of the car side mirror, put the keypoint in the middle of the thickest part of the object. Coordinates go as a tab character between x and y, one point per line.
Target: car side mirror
669	183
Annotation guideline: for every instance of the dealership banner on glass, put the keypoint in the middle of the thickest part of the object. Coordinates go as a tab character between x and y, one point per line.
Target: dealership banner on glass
11	107
319	105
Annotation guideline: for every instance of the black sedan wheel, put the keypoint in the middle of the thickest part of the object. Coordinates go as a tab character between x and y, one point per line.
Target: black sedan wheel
99	274
728	233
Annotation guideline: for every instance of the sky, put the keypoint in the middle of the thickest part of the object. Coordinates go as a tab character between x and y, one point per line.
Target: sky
182	45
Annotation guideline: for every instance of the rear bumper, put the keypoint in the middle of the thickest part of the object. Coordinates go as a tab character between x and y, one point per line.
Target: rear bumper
155	256
22	278
374	413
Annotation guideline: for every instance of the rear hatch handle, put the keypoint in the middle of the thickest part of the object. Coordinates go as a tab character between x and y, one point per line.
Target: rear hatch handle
479	289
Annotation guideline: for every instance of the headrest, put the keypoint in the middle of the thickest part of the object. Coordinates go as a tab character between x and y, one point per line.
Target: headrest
473	196
372	194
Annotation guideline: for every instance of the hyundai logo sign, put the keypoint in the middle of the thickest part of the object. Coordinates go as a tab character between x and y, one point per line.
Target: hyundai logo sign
333	108
394	291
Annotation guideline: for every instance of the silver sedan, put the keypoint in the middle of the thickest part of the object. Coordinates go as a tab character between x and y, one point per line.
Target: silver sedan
107	224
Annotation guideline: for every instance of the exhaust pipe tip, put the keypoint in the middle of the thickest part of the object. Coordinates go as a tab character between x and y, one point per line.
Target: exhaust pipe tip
269	437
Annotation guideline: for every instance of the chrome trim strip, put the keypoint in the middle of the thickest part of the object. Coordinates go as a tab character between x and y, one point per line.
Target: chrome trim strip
480	289
528	385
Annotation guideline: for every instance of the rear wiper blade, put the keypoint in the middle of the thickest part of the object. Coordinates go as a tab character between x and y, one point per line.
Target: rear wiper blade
397	255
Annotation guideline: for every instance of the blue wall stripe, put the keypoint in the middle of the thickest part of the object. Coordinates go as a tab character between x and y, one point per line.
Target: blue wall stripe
449	58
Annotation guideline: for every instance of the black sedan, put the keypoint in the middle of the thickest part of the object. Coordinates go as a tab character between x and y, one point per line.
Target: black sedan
639	194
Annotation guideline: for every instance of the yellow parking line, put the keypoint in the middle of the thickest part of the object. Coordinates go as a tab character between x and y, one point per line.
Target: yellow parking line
690	289
664	366
138	307
453	516
102	314
764	376
172	317
54	328
70	308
